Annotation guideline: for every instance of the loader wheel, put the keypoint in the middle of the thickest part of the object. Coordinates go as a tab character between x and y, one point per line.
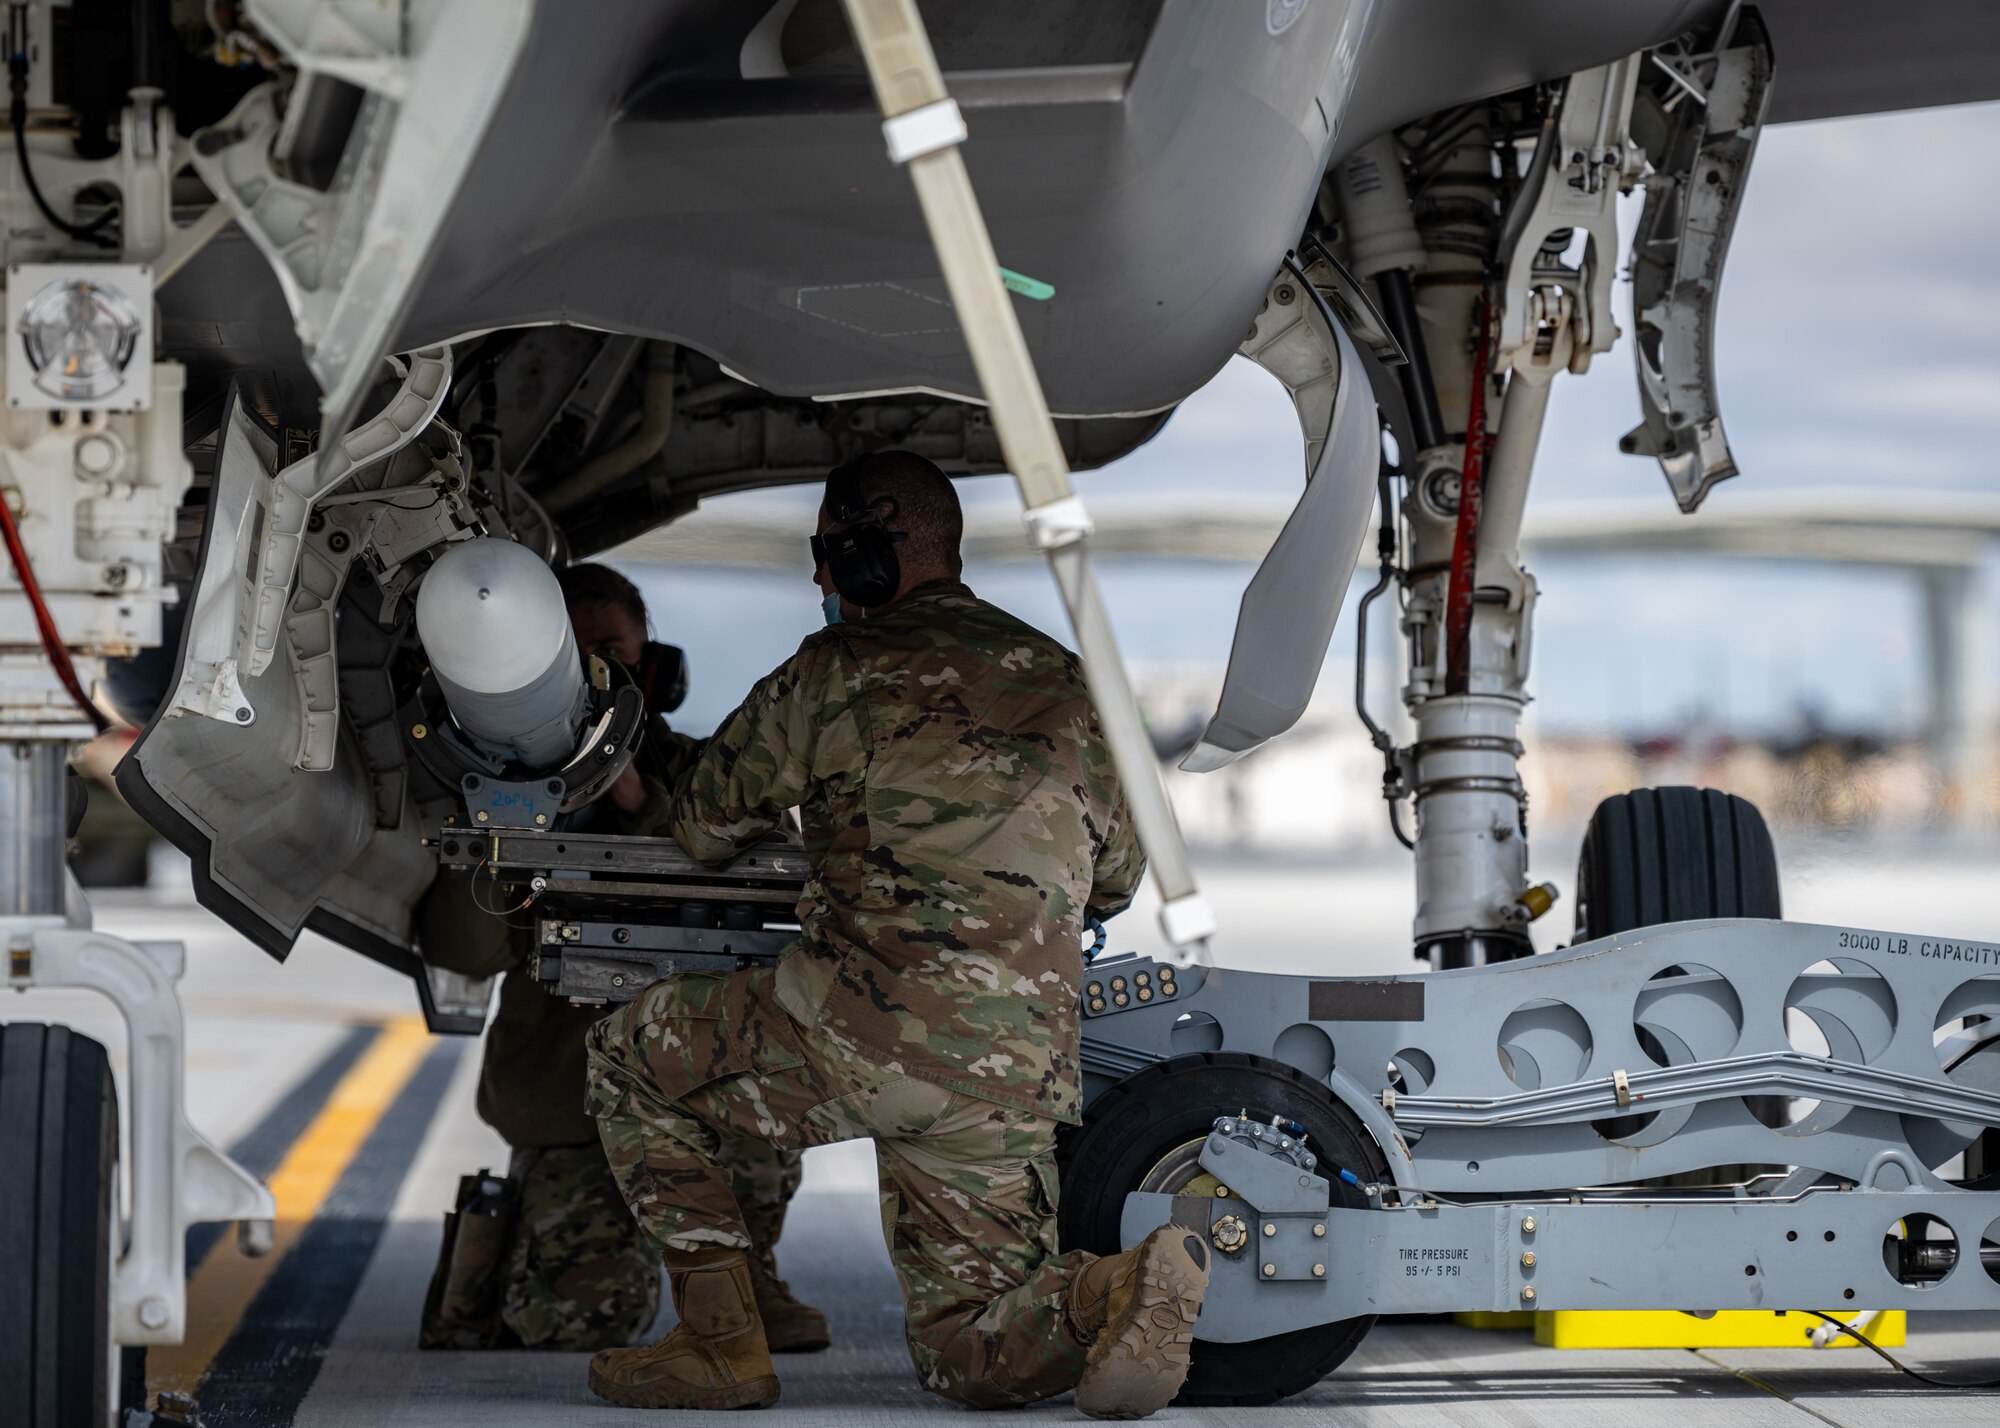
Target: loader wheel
1146	1133
59	1182
1659	855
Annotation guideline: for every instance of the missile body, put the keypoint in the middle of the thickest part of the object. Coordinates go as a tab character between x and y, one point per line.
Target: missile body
491	618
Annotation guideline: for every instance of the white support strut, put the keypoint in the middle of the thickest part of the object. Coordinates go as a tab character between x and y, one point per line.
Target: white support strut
1593	161
923	139
177	1177
294	492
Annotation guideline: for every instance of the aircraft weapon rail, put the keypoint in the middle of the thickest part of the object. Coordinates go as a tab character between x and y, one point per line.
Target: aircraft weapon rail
614	913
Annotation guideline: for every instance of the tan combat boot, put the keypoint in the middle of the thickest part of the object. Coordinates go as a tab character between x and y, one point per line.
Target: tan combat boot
716	1356
1136	1310
790	1327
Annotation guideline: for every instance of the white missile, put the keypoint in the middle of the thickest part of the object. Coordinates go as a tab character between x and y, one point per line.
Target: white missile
491	618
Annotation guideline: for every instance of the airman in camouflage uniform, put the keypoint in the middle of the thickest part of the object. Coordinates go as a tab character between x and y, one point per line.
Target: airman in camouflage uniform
961	818
574	1271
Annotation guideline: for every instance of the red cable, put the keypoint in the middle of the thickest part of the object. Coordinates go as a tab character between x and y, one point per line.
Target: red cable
1465	545
52	640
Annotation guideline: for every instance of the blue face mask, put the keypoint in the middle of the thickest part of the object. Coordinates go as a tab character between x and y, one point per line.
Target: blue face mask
830	606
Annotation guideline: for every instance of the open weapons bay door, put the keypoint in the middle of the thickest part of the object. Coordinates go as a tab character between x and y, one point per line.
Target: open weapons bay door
276	849
1289	609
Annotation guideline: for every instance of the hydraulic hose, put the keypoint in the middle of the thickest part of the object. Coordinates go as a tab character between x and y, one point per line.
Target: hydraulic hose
45	622
1538	168
1399	310
17	113
1385	550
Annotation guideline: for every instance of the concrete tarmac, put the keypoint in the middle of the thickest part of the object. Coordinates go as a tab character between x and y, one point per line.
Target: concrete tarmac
325	1335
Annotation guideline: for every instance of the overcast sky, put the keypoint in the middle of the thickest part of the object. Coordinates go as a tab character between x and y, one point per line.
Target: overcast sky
1859	345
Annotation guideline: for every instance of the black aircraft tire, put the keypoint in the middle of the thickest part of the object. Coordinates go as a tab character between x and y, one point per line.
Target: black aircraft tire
58	1180
1129	1129
1658	855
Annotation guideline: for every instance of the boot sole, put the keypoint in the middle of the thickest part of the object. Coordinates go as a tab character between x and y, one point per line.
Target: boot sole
1138	1365
759	1392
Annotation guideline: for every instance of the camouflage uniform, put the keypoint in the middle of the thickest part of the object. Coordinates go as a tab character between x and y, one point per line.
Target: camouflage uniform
961	817
579	1274
576	1275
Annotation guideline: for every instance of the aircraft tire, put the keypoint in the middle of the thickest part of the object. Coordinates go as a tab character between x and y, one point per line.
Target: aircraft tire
59	1182
1659	855
1139	1125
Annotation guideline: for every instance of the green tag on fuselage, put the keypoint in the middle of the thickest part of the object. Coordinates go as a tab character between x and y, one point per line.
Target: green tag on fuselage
1026	286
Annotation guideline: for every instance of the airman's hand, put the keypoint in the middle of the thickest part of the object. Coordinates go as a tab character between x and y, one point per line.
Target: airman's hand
628	790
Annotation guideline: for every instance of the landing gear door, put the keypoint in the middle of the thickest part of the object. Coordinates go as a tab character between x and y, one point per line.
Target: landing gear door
275	849
1288	612
1699	126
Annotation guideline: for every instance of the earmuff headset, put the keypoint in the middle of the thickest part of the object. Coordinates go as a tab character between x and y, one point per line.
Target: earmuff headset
662	677
861	557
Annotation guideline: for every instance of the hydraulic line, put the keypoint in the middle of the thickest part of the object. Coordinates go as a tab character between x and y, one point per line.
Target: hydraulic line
1384	244
1399	310
52	640
1385	550
1895	1363
17	84
1465	545
1531	185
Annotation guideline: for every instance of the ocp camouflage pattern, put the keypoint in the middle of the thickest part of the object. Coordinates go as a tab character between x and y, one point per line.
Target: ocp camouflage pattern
574	1270
580	1274
961	817
701	1062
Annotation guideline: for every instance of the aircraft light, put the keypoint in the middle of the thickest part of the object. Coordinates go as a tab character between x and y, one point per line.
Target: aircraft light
79	335
79	338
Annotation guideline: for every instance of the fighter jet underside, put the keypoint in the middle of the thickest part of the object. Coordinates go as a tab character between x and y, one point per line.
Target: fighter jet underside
313	301
688	267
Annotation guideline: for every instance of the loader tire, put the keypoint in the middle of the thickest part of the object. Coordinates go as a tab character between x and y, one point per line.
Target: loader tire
1156	1118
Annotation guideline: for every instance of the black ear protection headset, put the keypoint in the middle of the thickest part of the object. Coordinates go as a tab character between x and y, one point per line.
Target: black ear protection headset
662	676
861	557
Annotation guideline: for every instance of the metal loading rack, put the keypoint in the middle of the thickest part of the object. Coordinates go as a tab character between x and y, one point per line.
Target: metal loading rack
1724	1114
615	913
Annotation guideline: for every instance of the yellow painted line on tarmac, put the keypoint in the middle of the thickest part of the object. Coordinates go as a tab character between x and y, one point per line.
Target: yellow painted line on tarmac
221	1288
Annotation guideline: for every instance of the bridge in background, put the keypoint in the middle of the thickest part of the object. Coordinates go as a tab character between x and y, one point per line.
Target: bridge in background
1939	539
